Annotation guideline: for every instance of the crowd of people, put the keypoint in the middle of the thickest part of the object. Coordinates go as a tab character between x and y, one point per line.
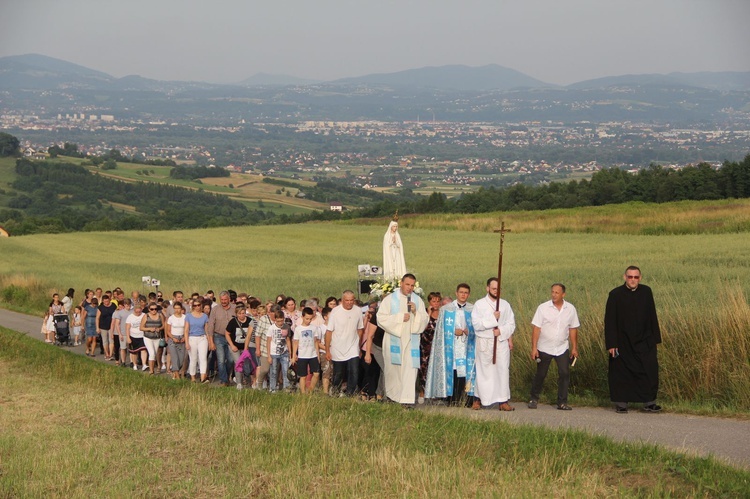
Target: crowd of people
396	348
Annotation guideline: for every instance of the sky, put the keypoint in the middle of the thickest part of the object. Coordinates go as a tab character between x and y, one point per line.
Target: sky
226	41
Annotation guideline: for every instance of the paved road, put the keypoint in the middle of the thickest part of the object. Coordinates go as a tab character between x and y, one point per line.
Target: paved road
725	439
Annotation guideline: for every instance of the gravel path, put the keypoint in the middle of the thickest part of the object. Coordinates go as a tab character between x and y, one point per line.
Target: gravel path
726	439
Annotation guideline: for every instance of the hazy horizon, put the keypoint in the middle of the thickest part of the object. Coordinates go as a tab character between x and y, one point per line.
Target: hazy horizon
229	41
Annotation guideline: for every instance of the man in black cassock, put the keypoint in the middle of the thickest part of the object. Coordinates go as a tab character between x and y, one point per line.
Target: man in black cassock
631	333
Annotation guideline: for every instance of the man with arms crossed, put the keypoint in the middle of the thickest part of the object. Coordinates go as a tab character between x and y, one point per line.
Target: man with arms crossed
554	322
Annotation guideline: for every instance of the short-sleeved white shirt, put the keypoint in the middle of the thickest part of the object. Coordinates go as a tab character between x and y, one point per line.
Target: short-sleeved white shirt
306	336
344	336
555	326
135	325
177	325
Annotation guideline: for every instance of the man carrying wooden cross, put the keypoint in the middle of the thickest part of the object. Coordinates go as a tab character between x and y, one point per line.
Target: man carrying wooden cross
492	321
494	325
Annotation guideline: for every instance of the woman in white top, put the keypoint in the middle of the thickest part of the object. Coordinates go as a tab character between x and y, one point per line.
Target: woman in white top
175	333
135	336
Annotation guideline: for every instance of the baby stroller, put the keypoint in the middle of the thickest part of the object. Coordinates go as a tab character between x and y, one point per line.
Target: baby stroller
62	329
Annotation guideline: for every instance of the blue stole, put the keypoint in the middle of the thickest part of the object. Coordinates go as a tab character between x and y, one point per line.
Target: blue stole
396	346
471	343
449	336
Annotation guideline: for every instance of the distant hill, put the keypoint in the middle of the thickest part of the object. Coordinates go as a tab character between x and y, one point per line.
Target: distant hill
35	71
725	80
453	77
266	79
39	72
722	81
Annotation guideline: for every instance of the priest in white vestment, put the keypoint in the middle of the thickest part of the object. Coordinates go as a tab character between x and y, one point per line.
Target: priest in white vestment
403	316
493	380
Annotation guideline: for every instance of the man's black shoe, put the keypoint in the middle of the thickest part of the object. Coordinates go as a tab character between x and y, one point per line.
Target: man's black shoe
621	410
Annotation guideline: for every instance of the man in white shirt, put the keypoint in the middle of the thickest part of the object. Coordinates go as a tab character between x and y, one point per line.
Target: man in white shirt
343	336
555	322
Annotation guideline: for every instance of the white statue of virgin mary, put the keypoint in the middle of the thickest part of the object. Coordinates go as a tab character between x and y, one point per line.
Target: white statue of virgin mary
393	253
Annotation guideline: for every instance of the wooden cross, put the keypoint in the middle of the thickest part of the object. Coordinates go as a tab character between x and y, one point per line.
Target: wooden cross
502	230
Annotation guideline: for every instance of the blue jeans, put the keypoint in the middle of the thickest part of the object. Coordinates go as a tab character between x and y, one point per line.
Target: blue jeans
283	361
351	369
223	357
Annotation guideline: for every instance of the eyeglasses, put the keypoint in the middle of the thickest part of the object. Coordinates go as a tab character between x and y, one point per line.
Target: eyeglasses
196	304
632	277
152	309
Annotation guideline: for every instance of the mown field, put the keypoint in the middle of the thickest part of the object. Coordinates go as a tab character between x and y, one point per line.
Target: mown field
77	428
701	283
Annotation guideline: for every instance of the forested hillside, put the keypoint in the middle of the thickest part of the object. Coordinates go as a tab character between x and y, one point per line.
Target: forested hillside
65	197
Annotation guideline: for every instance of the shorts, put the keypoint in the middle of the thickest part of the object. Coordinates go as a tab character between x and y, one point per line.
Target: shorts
303	364
106	333
326	367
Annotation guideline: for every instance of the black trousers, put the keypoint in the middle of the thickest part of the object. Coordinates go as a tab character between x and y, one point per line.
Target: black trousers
459	389
369	376
348	369
563	375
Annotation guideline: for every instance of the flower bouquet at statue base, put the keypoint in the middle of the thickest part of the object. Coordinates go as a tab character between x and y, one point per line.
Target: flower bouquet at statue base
385	287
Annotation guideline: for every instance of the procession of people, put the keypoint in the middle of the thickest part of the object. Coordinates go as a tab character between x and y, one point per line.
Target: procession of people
393	348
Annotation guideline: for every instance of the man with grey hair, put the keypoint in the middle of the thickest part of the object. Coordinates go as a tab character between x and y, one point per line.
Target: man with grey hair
313	303
216	329
343	337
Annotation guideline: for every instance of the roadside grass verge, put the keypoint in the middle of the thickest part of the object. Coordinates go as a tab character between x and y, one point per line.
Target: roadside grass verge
80	428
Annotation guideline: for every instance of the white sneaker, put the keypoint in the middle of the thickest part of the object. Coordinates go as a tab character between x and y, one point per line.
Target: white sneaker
135	367
144	368
239	386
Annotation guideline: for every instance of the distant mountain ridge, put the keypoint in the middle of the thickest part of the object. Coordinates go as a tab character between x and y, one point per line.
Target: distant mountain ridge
722	81
35	72
452	77
266	79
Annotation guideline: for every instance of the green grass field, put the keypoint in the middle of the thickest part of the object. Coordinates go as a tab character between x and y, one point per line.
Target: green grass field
84	429
701	284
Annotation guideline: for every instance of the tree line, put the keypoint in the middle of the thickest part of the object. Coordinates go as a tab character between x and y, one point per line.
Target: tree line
65	197
195	172
655	184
